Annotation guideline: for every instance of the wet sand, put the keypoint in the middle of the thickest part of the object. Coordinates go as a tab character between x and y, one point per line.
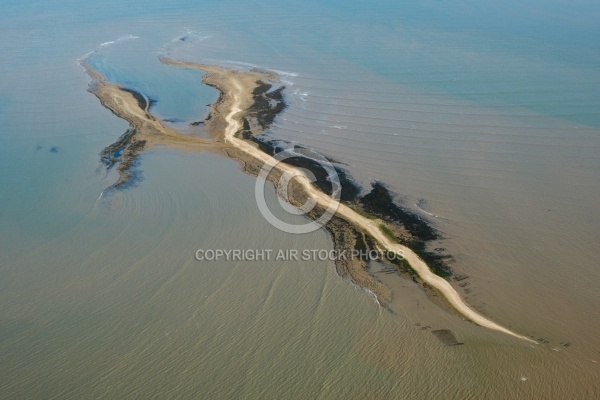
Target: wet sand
227	119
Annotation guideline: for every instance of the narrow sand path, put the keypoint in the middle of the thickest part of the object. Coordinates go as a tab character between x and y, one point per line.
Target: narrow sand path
233	125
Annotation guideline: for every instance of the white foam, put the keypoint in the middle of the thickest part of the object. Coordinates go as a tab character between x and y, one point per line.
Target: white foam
284	73
120	39
194	37
303	95
426	212
195	34
85	57
225	63
106	44
374	296
127	37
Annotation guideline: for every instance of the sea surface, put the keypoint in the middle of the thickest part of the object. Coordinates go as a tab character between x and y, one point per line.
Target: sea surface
483	118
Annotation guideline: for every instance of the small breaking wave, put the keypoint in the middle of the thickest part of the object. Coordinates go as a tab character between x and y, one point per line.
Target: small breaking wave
284	73
85	57
302	95
179	46
371	293
121	39
191	34
421	204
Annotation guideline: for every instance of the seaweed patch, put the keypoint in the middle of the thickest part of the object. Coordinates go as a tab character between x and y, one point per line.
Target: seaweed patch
447	337
124	153
267	104
380	203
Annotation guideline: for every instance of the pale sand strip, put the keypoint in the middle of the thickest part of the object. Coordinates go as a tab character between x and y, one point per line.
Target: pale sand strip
233	125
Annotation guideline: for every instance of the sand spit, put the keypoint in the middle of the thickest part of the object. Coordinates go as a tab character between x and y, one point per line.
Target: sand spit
234	113
236	94
145	131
